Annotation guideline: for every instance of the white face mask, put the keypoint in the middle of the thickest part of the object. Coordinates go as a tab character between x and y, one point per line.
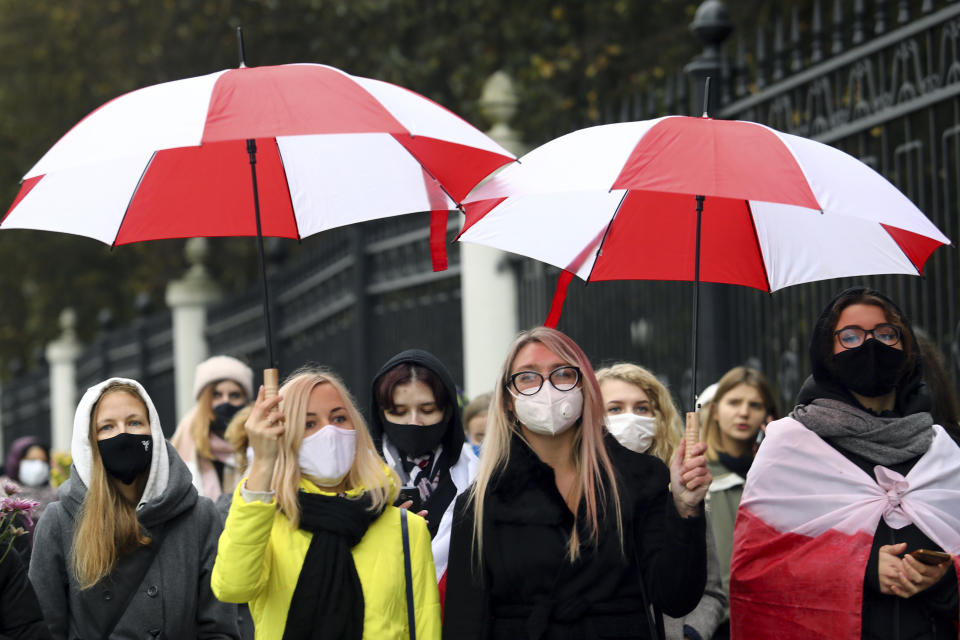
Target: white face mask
34	473
633	431
549	411
327	455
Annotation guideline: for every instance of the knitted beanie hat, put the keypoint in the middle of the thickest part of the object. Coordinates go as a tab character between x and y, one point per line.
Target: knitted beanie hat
223	368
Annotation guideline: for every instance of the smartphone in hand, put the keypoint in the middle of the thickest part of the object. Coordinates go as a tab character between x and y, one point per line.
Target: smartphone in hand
929	557
410	493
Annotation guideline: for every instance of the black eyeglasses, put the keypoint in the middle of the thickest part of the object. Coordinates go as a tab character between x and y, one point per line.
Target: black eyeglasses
527	383
853	336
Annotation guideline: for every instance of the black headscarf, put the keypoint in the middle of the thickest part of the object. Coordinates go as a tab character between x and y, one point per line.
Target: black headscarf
453	438
912	395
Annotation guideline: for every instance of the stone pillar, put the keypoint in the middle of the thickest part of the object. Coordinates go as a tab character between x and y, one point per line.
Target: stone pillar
188	298
488	283
62	355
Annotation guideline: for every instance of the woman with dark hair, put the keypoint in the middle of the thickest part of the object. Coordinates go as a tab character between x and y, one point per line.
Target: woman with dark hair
416	425
944	406
852	499
28	465
565	533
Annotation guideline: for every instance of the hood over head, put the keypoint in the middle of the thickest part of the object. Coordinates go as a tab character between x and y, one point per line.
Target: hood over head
453	437
912	395
19	449
83	454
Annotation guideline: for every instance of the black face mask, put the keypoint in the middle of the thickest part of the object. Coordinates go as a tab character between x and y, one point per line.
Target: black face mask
126	455
872	369
222	415
415	439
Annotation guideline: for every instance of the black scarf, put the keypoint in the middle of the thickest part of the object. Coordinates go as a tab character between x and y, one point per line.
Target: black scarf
740	465
328	601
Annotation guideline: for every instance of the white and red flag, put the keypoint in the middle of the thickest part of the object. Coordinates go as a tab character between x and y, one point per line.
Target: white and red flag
805	530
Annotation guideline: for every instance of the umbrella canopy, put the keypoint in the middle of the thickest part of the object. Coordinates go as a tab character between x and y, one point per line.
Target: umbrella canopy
181	159
623	201
778	209
171	161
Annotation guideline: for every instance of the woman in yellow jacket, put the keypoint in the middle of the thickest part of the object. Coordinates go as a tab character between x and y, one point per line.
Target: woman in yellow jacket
312	541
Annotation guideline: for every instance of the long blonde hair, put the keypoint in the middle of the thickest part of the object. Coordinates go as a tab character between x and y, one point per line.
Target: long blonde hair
595	471
734	378
107	525
369	471
236	435
669	428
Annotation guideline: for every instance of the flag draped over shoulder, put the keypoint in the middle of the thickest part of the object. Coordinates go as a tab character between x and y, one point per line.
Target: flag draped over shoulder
805	529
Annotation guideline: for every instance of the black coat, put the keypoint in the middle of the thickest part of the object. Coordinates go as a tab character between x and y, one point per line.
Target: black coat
529	588
20	615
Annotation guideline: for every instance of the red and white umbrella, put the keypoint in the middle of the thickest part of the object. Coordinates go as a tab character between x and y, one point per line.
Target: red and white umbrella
171	161
326	149
620	202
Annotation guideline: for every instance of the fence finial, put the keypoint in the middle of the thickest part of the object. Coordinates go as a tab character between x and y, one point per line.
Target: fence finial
711	25
837	46
816	29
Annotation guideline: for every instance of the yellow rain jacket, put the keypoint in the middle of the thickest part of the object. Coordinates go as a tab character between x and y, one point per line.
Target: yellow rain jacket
260	556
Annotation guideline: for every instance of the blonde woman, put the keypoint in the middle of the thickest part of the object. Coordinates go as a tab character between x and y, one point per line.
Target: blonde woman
741	404
566	532
640	412
642	417
222	386
312	540
127	551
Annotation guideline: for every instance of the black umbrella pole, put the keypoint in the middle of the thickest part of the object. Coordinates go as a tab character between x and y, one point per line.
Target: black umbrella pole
696	305
270	375
692	431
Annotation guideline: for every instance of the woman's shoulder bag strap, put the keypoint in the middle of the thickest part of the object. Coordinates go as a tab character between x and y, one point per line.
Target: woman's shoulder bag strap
408	573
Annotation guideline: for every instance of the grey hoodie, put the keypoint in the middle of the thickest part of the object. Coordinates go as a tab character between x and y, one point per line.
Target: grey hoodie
169	580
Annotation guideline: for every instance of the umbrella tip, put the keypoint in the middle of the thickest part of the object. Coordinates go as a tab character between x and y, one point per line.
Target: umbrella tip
243	61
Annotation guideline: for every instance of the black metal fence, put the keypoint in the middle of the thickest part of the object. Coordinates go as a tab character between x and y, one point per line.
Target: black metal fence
355	297
142	351
26	404
875	81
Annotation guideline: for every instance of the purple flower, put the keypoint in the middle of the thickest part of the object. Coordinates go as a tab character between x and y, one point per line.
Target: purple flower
9	504
10	487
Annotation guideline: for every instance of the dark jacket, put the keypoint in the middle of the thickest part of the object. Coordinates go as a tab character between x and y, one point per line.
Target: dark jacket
930	614
528	587
171	583
20	615
453	437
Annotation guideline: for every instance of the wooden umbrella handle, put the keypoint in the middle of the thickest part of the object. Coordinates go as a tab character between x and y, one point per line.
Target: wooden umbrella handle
271	383
692	432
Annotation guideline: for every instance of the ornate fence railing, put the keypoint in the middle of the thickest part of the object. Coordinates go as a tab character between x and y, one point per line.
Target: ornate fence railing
351	300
